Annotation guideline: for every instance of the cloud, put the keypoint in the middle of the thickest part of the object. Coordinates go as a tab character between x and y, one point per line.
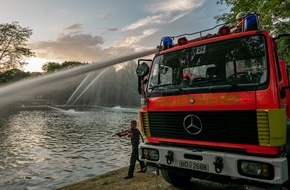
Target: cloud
70	47
150	20
71	29
164	6
134	39
76	26
104	16
76	47
73	45
112	29
164	12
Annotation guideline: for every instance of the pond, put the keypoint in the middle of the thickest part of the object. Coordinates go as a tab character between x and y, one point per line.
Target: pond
50	148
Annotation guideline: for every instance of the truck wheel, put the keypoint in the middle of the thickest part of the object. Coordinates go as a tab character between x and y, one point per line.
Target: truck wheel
176	179
286	185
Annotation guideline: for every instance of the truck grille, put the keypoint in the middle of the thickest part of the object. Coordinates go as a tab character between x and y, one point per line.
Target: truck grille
217	126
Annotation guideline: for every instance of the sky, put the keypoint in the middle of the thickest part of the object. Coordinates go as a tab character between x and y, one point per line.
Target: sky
93	30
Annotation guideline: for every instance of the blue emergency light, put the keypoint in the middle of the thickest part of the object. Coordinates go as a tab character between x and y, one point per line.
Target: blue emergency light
251	22
167	43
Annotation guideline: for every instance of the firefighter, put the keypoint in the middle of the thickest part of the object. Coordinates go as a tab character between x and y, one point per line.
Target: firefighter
135	139
240	21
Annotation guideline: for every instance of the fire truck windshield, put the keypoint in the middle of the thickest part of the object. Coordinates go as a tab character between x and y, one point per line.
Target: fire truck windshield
239	62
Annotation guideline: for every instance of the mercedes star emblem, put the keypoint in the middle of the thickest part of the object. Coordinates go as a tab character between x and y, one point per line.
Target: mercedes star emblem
192	124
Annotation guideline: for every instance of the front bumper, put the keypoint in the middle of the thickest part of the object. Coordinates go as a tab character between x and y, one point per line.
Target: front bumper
220	163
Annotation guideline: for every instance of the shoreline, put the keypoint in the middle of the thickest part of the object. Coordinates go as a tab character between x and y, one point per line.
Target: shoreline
141	181
114	180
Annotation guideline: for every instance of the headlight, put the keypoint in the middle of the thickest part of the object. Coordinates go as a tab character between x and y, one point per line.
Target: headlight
256	169
150	154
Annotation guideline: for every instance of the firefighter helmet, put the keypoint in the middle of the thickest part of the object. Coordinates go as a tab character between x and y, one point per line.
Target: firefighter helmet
240	15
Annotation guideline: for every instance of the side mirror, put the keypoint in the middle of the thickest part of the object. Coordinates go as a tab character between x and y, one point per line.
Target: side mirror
142	69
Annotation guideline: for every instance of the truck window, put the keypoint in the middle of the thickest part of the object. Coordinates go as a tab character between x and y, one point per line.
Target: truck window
240	61
161	74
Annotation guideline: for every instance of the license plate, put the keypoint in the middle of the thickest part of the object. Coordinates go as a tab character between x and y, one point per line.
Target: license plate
193	165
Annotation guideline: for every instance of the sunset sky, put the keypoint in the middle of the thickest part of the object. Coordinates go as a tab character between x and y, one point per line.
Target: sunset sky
92	30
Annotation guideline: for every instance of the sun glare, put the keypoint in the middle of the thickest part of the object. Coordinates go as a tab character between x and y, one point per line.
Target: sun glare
34	64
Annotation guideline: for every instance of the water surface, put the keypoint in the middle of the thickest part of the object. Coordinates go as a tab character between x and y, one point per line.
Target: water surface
49	149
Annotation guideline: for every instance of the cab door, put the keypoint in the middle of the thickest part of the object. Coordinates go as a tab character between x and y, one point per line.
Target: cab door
280	78
285	96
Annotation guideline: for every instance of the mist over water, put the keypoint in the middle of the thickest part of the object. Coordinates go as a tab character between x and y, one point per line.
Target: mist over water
54	148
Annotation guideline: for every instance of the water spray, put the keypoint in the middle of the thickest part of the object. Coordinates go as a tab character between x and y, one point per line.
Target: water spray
92	82
68	101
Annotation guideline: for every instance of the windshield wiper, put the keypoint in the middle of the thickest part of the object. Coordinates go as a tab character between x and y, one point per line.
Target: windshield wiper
175	91
160	85
232	84
176	88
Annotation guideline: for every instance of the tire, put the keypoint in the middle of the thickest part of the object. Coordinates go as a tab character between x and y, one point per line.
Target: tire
176	179
286	185
284	188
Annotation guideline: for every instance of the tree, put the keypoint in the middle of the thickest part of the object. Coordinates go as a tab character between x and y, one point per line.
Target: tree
71	64
274	17
12	75
13	47
284	48
54	66
274	14
51	66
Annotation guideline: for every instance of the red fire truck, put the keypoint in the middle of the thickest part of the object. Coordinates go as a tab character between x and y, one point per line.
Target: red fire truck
215	107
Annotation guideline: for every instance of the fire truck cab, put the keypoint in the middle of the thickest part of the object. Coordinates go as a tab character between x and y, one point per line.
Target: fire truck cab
216	107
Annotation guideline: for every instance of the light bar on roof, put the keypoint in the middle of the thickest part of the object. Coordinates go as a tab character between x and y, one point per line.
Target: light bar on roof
251	22
167	43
